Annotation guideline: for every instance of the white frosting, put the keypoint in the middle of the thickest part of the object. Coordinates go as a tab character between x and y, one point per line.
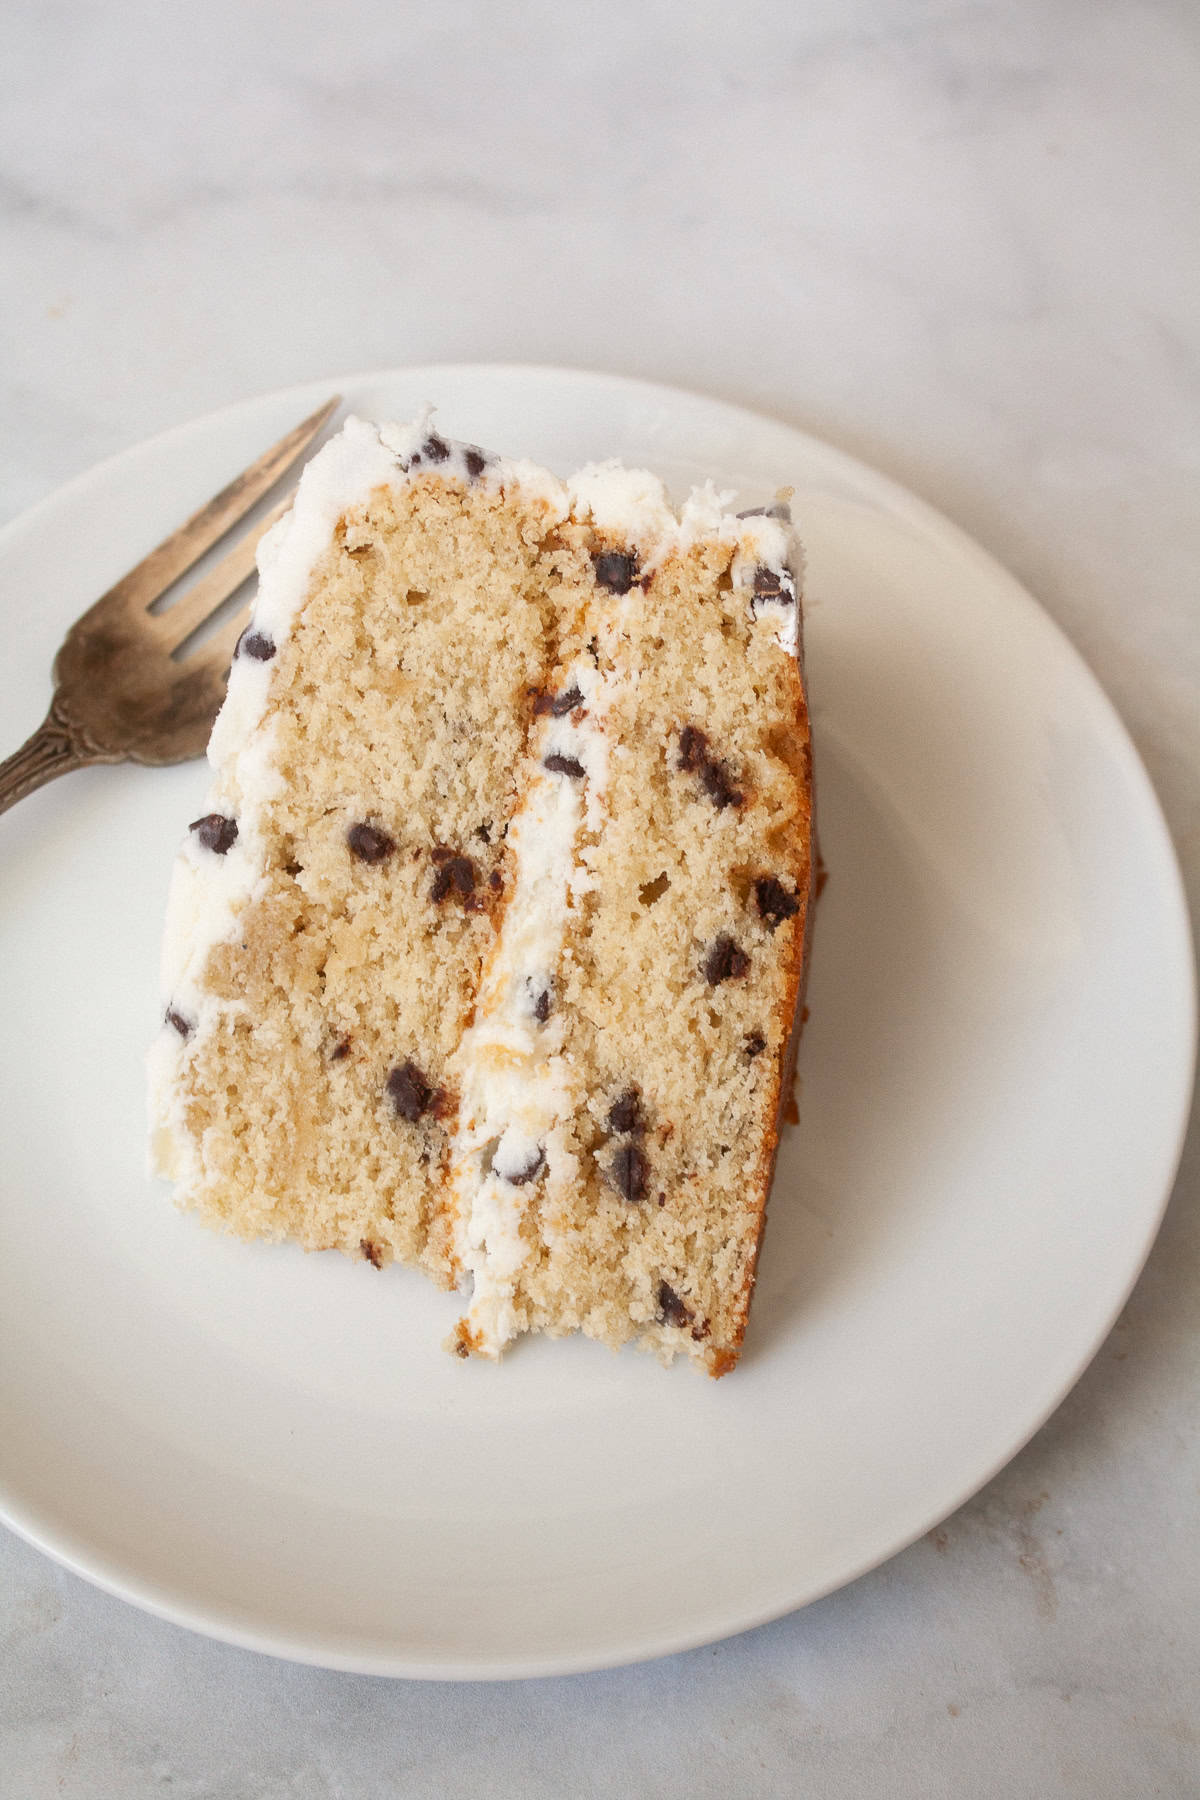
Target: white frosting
515	1084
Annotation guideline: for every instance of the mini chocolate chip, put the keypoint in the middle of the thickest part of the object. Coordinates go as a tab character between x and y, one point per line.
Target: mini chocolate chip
183	1026
693	749
628	1171
725	961
340	1050
409	1092
774	902
755	1044
541	1006
715	780
476	463
436	448
625	1113
455	875
372	1252
484	833
695	758
255	644
671	1310
563	765
562	704
215	832
369	844
495	881
773	584
524	1176
615	570
557	705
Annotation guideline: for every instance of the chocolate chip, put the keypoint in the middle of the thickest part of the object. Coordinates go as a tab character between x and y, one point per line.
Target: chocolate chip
409	1092
372	1252
524	1176
495	881
725	961
627	1172
693	749
484	833
773	584
340	1050
435	448
255	644
541	1006
671	1310
476	463
755	1044
715	780
695	758
455	875
625	1113
369	844
774	902
183	1026
615	570
556	705
215	832
563	765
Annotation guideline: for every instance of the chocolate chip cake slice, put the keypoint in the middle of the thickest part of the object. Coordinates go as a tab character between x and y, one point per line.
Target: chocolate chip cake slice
487	953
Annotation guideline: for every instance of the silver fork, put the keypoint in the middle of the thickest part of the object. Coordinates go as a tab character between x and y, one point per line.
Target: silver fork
121	693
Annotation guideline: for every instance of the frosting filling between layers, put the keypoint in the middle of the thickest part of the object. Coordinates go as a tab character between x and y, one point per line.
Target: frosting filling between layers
515	1085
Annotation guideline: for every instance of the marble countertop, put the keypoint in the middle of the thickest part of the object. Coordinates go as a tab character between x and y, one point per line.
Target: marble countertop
960	240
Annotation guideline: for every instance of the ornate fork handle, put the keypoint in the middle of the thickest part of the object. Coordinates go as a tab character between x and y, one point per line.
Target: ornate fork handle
56	747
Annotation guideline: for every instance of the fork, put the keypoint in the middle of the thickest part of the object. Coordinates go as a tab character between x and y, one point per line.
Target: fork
128	684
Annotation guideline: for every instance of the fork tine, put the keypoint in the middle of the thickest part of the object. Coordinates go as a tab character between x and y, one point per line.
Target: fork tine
155	573
206	595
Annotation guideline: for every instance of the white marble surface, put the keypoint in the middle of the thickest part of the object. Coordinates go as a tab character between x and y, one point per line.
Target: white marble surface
958	239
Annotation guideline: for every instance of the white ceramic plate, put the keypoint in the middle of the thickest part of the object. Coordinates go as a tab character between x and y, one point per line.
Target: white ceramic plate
274	1449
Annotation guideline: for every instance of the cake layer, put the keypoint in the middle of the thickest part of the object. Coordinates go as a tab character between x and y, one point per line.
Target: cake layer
629	1200
365	775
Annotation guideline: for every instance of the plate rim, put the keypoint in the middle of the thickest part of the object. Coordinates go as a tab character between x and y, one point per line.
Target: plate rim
149	1595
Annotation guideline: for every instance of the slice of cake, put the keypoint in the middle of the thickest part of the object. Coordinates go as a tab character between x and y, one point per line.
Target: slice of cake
487	950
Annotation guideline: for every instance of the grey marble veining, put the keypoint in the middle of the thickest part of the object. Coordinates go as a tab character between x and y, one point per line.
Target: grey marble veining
959	240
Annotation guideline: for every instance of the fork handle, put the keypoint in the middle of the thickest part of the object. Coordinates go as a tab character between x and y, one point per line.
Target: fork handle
56	747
